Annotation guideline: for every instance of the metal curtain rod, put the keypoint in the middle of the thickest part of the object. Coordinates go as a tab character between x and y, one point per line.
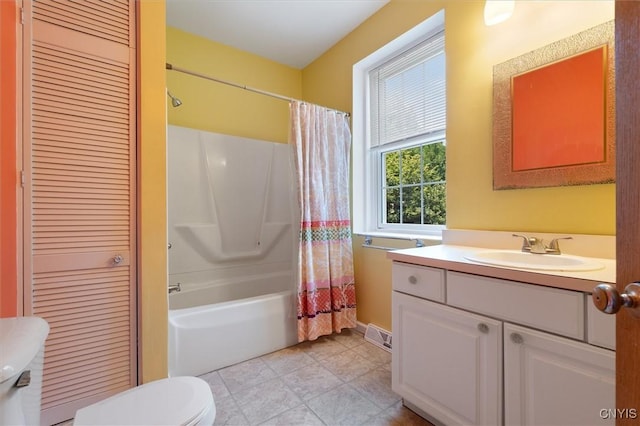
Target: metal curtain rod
241	86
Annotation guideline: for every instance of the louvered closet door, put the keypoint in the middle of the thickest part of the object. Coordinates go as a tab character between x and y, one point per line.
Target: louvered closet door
79	79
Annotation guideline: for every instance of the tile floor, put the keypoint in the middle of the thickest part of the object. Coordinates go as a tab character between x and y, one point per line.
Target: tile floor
336	380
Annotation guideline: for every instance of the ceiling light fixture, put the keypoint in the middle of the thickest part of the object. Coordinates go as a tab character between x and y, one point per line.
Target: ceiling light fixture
496	11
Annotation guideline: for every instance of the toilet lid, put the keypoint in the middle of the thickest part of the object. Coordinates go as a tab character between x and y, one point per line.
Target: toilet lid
172	401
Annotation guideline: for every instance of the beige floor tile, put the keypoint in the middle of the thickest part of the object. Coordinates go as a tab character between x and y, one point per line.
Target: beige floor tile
373	353
287	360
349	338
266	400
311	381
397	415
246	374
301	415
335	380
323	348
376	386
228	413
347	365
218	388
343	405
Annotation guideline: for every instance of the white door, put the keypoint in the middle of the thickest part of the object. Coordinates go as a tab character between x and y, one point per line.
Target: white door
79	212
447	362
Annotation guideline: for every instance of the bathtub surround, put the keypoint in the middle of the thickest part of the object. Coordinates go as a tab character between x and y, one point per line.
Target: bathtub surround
231	213
321	140
230	206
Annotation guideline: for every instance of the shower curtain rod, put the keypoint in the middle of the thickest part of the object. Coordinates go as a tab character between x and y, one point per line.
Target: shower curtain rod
240	86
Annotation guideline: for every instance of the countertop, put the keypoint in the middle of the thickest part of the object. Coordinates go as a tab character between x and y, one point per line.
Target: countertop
452	258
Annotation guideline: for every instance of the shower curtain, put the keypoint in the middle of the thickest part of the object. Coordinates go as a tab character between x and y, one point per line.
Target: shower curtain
326	295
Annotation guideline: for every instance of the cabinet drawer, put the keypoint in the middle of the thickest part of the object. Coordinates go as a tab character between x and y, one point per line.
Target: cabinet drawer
420	281
551	309
601	328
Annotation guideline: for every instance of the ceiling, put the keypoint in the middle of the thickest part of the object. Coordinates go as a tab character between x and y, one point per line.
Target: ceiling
291	32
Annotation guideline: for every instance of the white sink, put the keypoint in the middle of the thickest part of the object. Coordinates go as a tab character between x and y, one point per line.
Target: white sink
542	262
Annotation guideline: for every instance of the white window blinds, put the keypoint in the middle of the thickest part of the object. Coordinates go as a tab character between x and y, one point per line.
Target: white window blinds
408	94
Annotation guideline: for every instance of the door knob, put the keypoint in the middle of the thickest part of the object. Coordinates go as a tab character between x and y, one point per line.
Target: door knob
608	300
117	259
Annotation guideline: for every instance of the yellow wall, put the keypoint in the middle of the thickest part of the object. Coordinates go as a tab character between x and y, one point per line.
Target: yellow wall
152	231
472	49
578	209
219	108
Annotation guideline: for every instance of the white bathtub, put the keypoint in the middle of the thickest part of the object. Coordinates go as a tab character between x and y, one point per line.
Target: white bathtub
222	323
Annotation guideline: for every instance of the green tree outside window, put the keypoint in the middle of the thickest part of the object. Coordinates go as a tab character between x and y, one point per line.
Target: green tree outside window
415	185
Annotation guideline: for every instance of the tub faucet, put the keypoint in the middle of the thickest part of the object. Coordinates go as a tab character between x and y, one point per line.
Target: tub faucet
174	288
537	246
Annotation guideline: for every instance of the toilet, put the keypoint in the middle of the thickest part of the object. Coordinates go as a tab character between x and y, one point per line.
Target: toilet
172	401
21	363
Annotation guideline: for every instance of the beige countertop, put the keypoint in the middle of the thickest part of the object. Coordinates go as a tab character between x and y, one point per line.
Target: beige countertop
452	258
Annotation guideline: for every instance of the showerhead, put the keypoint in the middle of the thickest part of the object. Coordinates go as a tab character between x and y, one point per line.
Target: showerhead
175	102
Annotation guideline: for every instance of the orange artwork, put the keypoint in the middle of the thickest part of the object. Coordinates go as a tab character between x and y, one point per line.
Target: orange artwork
554	114
559	113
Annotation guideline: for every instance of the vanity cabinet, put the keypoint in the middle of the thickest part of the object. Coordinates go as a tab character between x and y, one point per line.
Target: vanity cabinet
478	344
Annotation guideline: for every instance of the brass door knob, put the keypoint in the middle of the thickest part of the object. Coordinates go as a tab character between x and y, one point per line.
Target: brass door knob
608	300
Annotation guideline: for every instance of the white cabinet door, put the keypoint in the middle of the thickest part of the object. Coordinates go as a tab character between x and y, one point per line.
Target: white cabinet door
447	362
551	380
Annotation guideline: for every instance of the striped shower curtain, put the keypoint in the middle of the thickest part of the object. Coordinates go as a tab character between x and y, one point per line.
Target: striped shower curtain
321	142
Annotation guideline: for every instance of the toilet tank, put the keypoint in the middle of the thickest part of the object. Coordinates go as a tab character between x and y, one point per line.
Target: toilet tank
21	364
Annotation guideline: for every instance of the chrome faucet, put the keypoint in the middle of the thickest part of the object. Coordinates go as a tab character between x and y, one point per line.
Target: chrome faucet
174	288
537	246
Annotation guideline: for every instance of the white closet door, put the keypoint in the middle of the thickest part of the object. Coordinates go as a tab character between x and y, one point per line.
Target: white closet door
79	154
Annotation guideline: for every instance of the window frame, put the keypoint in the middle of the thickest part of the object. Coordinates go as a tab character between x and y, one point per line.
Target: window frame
367	175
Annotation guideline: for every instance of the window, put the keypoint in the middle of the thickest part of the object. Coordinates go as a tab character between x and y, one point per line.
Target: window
413	187
399	135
